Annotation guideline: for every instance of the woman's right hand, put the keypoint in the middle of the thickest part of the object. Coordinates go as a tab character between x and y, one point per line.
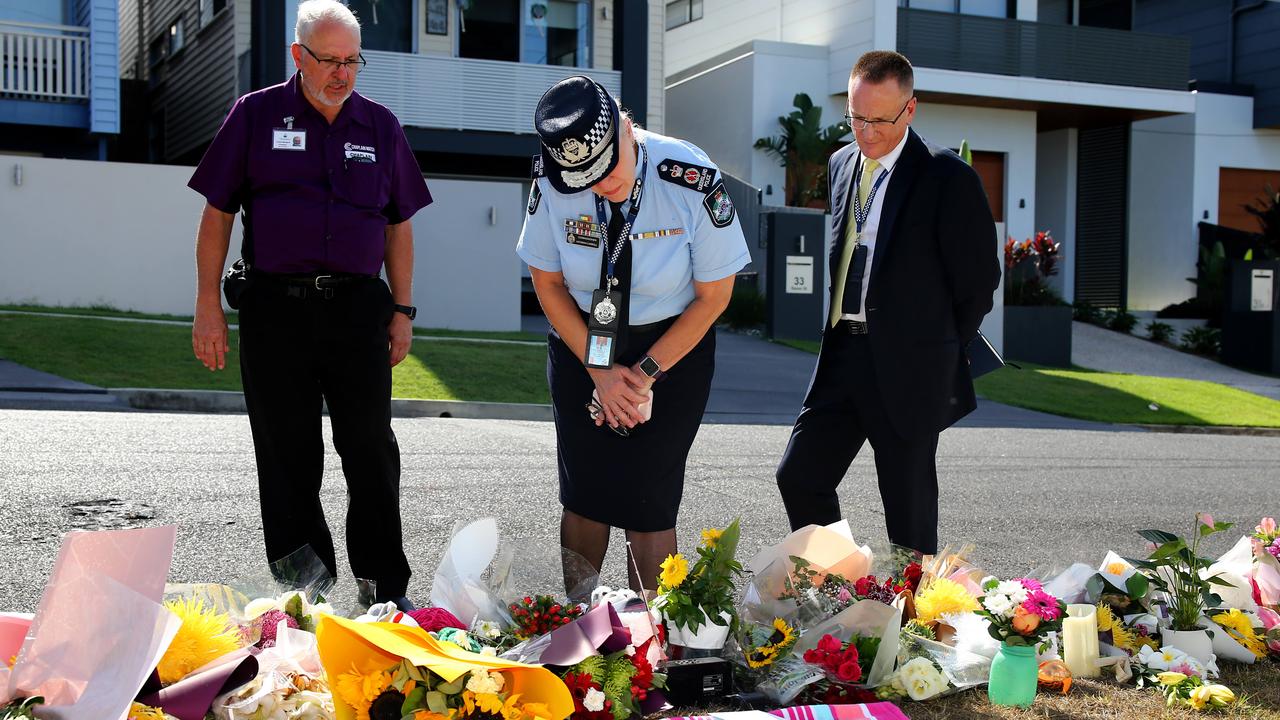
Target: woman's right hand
621	391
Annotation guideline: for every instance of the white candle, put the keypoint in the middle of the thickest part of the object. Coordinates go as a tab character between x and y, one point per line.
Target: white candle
1080	640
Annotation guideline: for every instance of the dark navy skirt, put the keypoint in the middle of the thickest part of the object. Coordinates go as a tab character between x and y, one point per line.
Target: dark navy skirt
632	482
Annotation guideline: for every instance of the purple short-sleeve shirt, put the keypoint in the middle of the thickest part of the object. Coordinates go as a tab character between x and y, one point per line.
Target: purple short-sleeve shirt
317	197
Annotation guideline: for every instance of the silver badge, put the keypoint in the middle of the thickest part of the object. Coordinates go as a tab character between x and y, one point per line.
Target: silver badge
574	150
605	311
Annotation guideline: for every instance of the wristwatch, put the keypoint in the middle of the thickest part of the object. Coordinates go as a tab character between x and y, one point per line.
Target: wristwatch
650	367
409	310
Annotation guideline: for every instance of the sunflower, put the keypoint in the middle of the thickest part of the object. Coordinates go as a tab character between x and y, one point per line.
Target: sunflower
941	597
781	640
205	634
674	570
711	536
359	690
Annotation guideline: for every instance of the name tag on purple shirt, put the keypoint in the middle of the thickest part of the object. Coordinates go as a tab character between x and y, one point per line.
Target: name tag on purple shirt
288	139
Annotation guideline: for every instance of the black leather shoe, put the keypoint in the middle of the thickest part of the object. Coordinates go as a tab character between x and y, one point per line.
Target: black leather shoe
403	603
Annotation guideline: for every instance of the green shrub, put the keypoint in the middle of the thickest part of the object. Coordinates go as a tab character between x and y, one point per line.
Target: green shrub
1159	332
746	308
1202	340
1083	311
1121	321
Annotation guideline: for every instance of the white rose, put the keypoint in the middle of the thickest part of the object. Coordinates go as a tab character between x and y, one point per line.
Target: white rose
484	682
997	604
922	679
594	701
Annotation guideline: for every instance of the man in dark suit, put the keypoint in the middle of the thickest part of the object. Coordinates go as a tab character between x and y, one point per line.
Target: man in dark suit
913	270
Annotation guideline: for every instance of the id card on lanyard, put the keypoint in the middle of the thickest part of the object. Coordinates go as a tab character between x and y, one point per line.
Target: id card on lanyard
609	302
852	301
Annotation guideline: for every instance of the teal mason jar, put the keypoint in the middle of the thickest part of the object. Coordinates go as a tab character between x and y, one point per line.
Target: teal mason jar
1013	676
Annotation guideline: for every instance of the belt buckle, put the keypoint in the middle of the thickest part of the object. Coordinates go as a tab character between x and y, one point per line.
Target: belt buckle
321	277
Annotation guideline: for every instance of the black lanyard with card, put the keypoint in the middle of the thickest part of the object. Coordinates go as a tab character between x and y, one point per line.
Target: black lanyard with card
851	303
608	316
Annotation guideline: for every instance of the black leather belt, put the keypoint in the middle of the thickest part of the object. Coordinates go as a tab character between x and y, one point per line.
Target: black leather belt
320	285
853	327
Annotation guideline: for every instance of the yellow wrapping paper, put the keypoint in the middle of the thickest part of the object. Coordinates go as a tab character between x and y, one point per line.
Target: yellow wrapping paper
370	647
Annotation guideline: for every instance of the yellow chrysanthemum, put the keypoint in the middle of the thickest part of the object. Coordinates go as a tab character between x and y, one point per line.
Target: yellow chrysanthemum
943	596
138	711
674	570
1239	626
711	536
359	690
1105	619
205	635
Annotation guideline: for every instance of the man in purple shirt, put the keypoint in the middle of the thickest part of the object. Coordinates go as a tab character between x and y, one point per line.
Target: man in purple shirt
326	183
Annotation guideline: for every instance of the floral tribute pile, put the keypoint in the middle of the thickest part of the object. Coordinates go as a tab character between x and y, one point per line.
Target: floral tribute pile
805	622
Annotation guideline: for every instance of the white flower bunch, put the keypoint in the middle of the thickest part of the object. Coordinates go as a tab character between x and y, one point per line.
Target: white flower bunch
1172	659
919	679
293	697
257	608
484	681
487	629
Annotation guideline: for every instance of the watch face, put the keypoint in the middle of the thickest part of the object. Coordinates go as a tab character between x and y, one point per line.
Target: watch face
649	366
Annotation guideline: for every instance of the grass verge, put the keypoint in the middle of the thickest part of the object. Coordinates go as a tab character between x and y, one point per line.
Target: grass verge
116	354
1117	397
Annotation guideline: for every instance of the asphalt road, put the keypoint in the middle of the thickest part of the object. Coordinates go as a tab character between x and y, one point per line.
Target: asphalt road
1029	498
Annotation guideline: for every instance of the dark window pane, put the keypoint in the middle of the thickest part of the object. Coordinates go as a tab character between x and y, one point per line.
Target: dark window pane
384	24
490	30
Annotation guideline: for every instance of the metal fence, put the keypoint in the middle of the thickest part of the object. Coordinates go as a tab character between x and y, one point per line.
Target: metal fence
44	62
951	41
453	93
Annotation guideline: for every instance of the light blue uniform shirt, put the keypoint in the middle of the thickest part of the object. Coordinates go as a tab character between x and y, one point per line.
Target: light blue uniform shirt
686	230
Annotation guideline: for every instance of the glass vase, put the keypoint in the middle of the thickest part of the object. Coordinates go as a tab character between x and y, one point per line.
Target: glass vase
1013	676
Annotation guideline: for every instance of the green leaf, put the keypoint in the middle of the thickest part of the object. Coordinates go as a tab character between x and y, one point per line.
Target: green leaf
1137	585
965	153
1159	537
1169	549
413	701
1093	588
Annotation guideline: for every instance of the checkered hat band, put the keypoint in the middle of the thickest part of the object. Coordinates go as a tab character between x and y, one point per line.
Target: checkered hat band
590	176
597	137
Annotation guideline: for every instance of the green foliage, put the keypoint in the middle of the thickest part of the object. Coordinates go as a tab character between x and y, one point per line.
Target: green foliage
919	629
1028	265
1174	568
1084	311
21	709
1211	278
707	591
1159	332
746	308
1202	340
966	153
1121	320
803	148
1267	211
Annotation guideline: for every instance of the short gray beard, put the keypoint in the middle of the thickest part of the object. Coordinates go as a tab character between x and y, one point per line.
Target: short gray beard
320	96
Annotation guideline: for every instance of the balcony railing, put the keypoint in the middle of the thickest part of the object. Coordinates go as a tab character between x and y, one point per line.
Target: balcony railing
436	91
951	41
44	62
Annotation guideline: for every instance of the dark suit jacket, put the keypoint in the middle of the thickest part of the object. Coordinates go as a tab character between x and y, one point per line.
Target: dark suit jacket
933	275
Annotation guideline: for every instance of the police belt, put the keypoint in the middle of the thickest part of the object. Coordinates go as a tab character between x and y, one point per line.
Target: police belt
317	285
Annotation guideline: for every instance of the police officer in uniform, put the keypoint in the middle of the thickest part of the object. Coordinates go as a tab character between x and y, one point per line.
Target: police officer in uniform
327	183
633	243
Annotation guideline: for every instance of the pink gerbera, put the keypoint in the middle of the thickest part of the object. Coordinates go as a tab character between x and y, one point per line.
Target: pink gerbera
1031	584
1043	604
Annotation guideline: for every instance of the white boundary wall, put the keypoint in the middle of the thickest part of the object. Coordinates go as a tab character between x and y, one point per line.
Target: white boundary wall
85	233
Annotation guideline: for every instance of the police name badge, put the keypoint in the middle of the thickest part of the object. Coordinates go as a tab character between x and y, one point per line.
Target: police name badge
602	328
583	231
288	139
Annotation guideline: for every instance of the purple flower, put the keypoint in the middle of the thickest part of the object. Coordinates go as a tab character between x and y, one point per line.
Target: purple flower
1274	548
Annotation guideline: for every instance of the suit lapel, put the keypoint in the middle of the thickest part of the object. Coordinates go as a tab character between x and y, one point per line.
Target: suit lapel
841	188
904	174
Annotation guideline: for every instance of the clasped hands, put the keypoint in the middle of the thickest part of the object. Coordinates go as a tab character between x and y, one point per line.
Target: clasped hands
621	391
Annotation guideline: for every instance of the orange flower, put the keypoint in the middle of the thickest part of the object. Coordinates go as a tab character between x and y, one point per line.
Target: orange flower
1024	622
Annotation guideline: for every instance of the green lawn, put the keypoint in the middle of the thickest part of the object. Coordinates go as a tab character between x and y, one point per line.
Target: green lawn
117	354
1118	398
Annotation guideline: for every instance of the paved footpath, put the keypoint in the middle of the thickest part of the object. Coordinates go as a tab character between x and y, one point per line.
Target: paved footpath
1098	348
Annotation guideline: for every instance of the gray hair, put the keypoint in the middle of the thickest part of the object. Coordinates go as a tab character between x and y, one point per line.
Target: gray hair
317	12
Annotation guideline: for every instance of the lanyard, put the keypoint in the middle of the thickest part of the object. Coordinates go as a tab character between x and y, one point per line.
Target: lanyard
636	192
860	213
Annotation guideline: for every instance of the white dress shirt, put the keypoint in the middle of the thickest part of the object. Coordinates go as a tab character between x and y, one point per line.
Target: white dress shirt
873	220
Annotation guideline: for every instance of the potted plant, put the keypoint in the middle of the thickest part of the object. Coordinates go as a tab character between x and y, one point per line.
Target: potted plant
1037	323
697	602
1021	616
1177	571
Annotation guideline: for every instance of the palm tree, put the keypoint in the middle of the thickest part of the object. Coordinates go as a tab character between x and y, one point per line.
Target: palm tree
803	149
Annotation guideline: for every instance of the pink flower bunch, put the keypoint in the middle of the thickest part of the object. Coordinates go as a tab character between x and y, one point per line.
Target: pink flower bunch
1041	603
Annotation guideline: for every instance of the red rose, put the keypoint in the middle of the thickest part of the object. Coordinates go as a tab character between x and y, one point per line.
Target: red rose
849	672
830	644
863	585
812	657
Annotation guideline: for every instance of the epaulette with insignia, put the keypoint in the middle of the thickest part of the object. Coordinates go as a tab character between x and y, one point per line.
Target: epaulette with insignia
539	167
694	177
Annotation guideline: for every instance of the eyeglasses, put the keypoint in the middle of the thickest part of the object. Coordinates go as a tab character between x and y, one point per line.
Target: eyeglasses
333	64
594	410
861	123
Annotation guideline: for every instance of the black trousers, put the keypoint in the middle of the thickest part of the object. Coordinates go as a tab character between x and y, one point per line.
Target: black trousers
297	349
843	409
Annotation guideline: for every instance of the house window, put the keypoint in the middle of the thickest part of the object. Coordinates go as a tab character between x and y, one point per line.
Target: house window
541	32
985	8
209	9
385	24
682	12
177	40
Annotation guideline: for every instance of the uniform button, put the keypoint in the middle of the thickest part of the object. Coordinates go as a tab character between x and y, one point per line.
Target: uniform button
328	237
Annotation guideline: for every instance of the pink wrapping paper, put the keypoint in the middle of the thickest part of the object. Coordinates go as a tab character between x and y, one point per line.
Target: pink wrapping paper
867	711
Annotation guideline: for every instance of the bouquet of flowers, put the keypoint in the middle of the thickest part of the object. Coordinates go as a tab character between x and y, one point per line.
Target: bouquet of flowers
540	614
1129	633
844	666
292	608
1267	538
1020	611
1182	679
614	686
691	599
1174	568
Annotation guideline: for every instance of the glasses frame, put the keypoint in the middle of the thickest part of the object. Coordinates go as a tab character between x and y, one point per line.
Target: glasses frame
333	64
862	124
594	409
